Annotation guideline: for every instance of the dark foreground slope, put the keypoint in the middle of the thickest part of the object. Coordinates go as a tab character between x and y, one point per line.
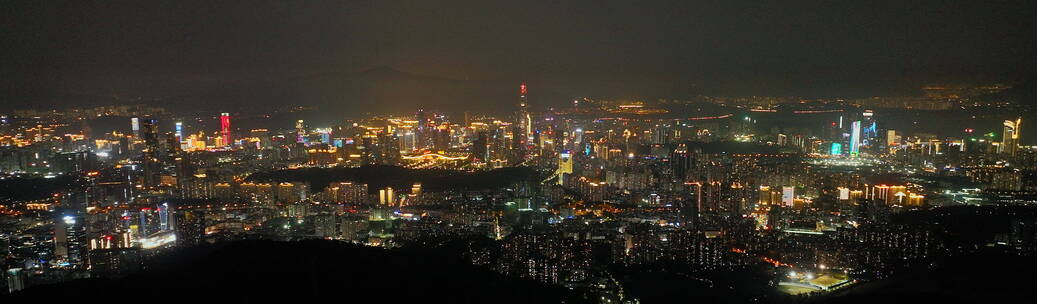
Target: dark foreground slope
986	277
289	272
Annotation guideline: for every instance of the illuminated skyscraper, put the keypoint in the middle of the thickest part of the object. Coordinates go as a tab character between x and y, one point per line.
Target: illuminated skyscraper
480	147
844	193
325	135
70	238
17	279
869	128
765	196
441	137
855	138
681	162
225	127
565	168
179	133
1010	138
135	125
163	217
691	204
408	138
525	121
151	163
788	196
386	197
150	134
565	165
300	131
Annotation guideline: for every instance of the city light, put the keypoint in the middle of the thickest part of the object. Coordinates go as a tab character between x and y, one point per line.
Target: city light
427	151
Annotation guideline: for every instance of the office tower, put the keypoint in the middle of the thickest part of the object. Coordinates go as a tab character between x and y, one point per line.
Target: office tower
681	162
389	148
184	174
325	135
915	199
422	129
172	144
70	238
498	147
149	128
788	196
262	136
480	147
844	193
691	204
565	166
415	194
869	128
1010	137
163	217
148	222
831	131
764	196
855	137
408	139
738	198
225	128
441	137
300	131
17	279
525	121
179	133
151	164
896	195
386	197
135	126
879	192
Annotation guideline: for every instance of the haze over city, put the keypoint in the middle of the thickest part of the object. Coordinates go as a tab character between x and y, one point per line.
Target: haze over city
273	52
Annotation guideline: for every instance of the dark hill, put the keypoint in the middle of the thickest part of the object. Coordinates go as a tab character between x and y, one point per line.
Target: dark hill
304	272
987	277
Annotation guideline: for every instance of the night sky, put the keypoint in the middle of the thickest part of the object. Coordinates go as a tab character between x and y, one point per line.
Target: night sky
64	50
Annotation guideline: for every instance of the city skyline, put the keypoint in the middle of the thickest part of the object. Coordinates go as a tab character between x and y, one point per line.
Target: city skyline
518	151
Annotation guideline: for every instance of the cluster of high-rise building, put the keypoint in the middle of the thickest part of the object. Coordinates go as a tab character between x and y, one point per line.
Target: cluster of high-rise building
727	185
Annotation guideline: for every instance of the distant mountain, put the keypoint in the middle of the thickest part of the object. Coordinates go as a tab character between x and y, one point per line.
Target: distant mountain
378	89
1021	93
382	89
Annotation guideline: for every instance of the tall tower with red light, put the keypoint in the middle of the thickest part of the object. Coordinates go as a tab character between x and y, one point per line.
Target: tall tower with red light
225	128
525	120
522	97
